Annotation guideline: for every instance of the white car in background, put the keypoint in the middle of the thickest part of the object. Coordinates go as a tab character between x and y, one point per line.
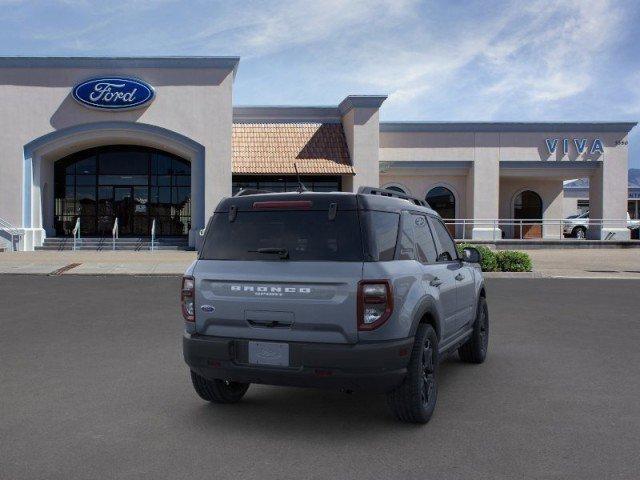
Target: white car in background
576	225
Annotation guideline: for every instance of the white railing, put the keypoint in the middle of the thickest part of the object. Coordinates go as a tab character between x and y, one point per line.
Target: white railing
539	228
12	231
114	234
153	235
76	234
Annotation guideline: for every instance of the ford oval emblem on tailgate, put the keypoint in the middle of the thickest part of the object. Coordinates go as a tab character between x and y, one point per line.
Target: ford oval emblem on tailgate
207	308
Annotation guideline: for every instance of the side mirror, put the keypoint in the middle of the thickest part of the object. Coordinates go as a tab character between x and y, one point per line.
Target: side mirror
444	257
471	255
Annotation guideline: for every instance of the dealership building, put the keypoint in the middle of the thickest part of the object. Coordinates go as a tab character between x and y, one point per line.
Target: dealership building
158	141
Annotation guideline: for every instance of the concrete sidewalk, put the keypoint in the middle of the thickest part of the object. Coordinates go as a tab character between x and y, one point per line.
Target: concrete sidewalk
161	262
586	263
547	263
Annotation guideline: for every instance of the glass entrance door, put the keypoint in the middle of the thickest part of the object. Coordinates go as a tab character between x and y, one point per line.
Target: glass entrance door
123	208
130	206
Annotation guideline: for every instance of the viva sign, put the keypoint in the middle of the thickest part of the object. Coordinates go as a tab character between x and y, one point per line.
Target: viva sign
113	93
580	144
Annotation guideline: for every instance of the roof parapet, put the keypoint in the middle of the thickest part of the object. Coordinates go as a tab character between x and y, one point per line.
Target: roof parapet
286	114
547	127
223	63
360	101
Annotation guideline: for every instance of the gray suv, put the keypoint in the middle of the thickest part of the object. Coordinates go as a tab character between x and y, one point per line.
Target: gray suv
335	290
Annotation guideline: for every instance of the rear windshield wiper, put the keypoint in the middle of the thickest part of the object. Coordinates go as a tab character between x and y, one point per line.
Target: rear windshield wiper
282	252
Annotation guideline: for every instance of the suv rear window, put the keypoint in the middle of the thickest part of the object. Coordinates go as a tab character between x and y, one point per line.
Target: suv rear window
306	235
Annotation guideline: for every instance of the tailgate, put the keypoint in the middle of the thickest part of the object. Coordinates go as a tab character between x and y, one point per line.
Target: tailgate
278	300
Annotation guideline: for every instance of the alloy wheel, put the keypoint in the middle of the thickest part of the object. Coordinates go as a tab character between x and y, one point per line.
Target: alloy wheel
428	373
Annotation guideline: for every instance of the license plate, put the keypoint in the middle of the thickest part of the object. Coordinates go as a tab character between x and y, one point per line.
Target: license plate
269	353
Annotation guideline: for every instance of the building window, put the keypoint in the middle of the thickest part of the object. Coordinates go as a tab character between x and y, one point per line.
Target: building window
633	207
133	184
281	183
583	206
442	200
528	206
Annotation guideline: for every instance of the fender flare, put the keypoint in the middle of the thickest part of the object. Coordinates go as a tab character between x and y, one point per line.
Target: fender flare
426	306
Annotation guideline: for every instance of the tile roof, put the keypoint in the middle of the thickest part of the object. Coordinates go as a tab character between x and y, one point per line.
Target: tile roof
274	148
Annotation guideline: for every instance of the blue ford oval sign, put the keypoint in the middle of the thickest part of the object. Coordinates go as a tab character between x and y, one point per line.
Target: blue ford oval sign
113	93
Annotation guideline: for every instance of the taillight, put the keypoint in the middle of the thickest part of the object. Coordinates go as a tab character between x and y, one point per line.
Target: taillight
375	303
187	295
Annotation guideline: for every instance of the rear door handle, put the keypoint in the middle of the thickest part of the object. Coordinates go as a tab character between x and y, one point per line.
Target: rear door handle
459	277
436	282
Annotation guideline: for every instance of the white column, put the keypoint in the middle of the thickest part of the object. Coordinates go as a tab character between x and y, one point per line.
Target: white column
34	234
197	198
608	194
361	125
485	178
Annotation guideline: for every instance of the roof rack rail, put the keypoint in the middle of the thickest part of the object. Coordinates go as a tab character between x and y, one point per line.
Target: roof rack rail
383	192
250	191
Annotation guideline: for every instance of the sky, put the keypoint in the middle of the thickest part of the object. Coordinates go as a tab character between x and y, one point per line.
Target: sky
445	60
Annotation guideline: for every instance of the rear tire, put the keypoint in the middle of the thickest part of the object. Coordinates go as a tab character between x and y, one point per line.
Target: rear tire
475	350
580	233
415	400
218	391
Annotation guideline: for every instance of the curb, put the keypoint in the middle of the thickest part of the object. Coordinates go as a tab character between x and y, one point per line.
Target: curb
511	275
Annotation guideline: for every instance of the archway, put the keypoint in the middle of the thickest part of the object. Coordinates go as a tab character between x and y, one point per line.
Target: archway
135	185
41	154
527	206
443	201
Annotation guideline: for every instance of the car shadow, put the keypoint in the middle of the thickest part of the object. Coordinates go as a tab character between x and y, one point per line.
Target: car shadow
308	412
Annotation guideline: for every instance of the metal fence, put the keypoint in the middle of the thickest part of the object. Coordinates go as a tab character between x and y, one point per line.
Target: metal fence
541	229
10	235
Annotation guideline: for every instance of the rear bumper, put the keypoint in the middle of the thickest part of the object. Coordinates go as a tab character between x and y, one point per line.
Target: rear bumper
379	366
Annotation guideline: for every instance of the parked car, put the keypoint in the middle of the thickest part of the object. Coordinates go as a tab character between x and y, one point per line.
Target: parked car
338	290
576	225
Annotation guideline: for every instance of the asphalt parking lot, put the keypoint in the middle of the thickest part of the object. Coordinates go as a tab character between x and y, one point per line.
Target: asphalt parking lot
92	385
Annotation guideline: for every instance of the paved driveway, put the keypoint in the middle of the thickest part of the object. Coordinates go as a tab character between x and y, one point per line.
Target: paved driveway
93	387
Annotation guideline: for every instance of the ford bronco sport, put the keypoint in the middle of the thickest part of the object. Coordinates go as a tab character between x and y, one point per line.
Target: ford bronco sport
337	290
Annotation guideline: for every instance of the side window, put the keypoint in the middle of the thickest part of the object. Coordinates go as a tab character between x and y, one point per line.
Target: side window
425	248
406	250
446	246
383	228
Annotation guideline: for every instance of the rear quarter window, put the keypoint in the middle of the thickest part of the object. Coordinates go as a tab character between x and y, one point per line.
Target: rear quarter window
381	232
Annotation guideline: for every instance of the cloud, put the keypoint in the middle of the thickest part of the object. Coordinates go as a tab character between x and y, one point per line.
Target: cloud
552	53
536	53
267	27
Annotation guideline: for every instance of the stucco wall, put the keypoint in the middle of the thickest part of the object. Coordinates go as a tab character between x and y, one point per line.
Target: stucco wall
569	206
426	146
193	102
419	185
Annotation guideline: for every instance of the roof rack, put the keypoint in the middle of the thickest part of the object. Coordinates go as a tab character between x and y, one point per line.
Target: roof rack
250	191
383	192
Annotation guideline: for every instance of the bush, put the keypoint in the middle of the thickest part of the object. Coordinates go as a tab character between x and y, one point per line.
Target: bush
501	261
489	262
511	261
